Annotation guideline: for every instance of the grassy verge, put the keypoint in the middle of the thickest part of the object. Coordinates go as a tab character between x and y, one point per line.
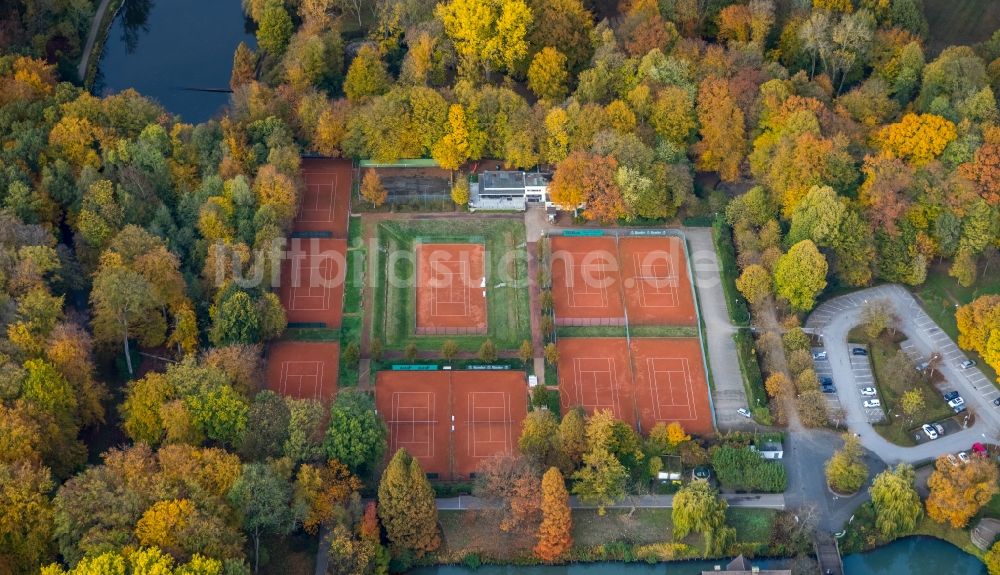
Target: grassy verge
941	295
394	313
620	535
753	380
898	426
722	236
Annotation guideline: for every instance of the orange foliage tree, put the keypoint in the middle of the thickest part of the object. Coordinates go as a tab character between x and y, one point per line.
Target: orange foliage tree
959	491
588	179
555	534
984	169
723	134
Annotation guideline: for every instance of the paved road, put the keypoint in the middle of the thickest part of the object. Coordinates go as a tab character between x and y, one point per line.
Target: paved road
757	501
95	27
728	393
835	318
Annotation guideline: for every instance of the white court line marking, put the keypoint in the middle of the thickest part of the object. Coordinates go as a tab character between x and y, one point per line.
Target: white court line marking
416	414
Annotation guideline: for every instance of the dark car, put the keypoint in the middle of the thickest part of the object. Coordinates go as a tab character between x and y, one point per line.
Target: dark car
950	395
826	381
996	401
829	389
859	351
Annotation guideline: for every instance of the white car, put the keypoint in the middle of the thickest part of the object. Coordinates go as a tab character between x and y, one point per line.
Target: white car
963	456
956	402
929	431
819	355
966	364
872	403
744	412
868	391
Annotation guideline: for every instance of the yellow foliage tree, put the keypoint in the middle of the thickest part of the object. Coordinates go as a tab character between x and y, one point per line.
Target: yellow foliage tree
676	434
917	138
979	328
452	150
959	491
547	74
777	385
372	189
160	524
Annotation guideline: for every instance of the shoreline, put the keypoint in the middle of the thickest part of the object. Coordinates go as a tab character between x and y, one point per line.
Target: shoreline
100	28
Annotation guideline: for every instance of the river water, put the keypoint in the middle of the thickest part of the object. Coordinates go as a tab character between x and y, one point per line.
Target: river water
164	48
909	556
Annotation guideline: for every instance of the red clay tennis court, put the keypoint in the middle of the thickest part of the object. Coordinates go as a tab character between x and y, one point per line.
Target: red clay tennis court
303	370
655	281
488	408
669	380
312	281
670	383
585	281
326	200
452	421
415	406
451	288
594	374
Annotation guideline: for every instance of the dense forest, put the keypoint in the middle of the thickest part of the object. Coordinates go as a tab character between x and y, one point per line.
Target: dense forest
847	155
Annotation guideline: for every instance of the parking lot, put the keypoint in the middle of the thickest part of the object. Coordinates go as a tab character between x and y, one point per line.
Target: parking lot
861	367
823	370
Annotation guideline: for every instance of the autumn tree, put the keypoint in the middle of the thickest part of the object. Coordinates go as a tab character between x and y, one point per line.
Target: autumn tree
539	440
992	559
777	385
26	524
877	316
244	66
917	138
454	148
912	403
565	24
697	508
984	168
845	470
979	327
723	133
372	189
958	492
755	284
896	502
588	179
510	484
547	75
672	114
487	36
555	534
800	275
460	192
366	76
322	490
406	506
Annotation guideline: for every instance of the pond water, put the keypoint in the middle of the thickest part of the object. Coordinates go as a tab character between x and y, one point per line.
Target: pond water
173	51
910	556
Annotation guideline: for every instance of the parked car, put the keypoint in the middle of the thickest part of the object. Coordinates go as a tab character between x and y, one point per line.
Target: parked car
859	351
950	395
868	391
826	381
828	389
744	412
872	403
956	402
963	456
939	428
996	401
959	408
819	355
967	364
929	431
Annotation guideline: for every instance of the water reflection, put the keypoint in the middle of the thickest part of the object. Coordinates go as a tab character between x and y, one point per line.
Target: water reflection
134	17
161	48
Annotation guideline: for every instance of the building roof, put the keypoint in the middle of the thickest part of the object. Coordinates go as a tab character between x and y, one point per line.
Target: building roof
511	181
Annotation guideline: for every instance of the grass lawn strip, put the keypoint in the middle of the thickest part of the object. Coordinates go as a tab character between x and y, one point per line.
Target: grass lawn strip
394	319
